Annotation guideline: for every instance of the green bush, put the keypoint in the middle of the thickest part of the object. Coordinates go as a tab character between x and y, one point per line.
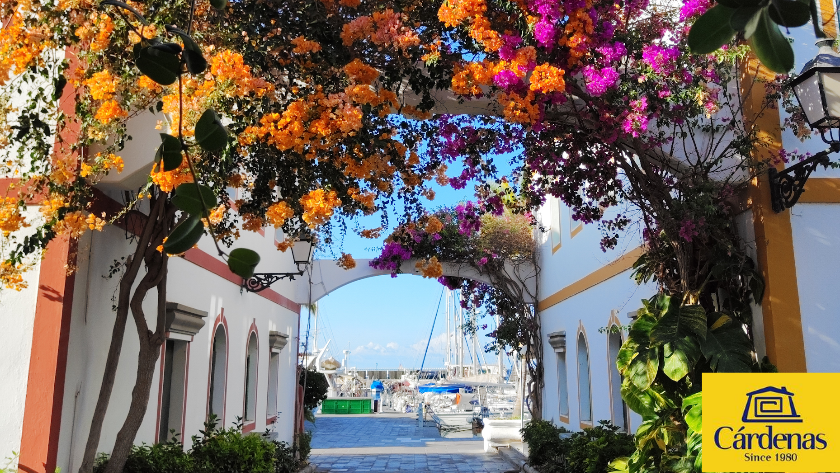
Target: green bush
228	451
589	451
315	389
543	439
167	457
215	451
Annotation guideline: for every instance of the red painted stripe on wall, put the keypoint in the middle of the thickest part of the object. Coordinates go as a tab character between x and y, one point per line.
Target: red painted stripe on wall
219	268
48	362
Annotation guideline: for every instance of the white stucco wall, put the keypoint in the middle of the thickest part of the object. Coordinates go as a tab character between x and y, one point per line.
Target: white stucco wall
192	286
816	244
17	319
578	255
588	311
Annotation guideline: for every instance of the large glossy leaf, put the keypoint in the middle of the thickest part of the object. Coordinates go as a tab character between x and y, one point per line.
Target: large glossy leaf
790	13
644	367
184	236
680	357
243	261
694	416
640	401
218	4
728	349
745	19
770	45
210	134
169	152
639	336
193	57
188	199
679	323
711	30
160	63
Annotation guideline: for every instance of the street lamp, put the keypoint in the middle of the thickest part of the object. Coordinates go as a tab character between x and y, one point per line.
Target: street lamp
302	256
817	89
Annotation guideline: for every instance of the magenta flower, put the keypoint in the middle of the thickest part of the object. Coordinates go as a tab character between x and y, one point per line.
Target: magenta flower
508	80
636	121
599	81
661	60
693	8
544	33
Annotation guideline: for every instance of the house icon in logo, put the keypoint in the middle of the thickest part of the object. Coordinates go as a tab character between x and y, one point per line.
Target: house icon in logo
770	405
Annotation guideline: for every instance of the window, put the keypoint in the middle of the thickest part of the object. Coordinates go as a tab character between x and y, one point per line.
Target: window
251	361
218	375
172	392
619	409
273	380
584	384
574	226
554	209
562	385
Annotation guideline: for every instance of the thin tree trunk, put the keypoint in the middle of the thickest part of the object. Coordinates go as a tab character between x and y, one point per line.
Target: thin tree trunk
150	343
133	265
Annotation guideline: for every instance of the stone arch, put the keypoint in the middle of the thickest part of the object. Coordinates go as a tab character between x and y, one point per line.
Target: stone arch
326	277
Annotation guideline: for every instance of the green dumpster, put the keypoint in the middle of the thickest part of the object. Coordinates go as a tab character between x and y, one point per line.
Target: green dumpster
346	405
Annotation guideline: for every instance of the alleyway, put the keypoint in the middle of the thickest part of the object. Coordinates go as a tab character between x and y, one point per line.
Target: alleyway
393	443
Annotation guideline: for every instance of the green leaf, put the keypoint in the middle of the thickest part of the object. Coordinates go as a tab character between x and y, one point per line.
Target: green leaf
711	30
128	7
680	357
678	323
638	338
694	416
159	63
771	47
169	152
218	4
193	57
642	370
745	19
728	349
210	134
184	236
243	261
196	64
188	199
789	13
640	401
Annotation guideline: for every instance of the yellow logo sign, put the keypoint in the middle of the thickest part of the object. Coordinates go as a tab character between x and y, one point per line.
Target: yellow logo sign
771	422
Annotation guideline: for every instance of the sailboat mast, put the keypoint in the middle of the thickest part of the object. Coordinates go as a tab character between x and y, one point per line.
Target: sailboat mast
448	334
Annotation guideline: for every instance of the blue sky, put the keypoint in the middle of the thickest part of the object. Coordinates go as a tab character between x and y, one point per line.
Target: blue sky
386	321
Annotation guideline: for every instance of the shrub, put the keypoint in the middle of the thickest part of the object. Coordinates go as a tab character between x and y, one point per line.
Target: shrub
543	439
589	451
291	458
167	457
315	389
228	451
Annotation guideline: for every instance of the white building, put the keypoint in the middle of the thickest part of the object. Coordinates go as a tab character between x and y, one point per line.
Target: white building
584	290
227	352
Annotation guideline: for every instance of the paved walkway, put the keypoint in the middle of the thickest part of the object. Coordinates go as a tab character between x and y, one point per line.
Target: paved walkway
394	443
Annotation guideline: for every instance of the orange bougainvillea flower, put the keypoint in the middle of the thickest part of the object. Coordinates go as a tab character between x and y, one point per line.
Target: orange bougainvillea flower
169	180
430	269
434	225
11	219
547	78
360	72
109	111
303	46
278	213
319	206
346	262
11	276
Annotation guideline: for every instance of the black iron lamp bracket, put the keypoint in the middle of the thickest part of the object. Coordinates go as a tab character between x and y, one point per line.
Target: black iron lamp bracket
261	281
786	186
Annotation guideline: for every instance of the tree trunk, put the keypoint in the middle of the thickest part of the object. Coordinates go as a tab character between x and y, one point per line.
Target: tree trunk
150	228
149	353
